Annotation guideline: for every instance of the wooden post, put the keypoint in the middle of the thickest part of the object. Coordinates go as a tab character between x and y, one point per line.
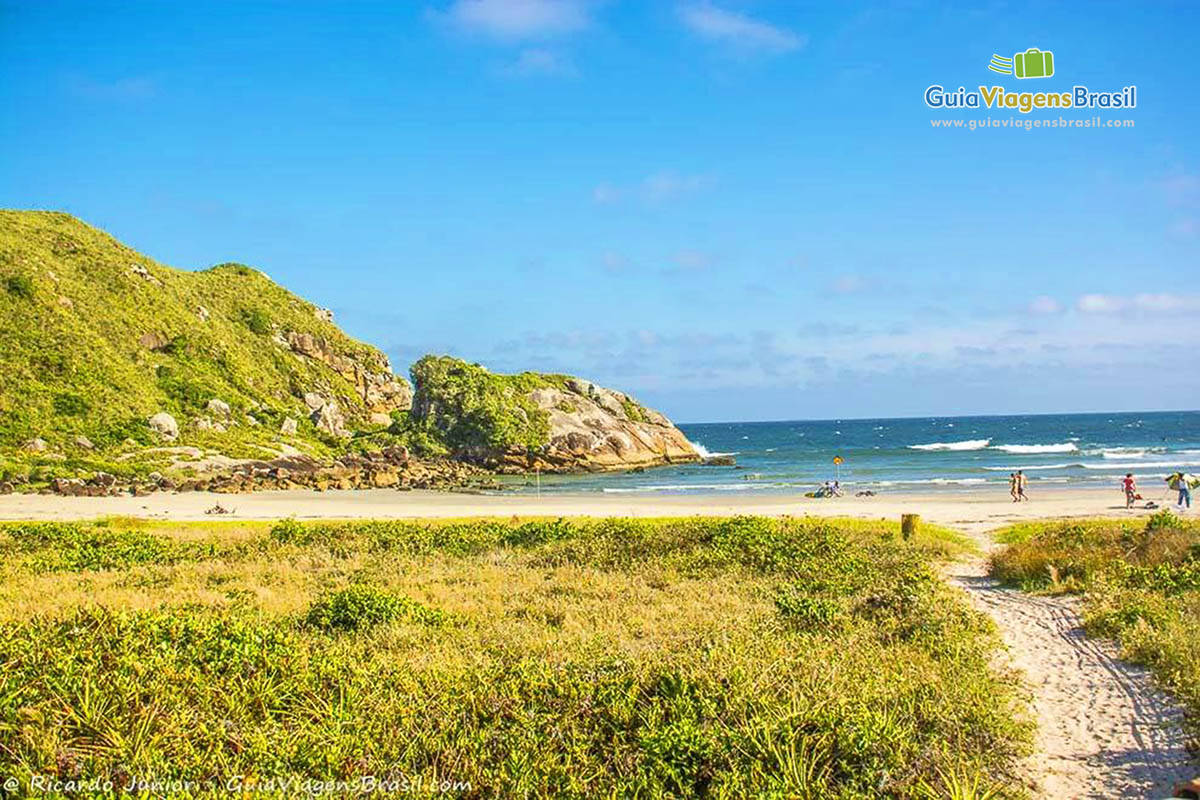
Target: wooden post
909	524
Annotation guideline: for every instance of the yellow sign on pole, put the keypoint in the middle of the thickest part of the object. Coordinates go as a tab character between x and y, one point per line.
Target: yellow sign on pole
837	460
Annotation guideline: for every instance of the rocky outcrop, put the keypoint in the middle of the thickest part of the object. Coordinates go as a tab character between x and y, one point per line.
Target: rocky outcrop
380	391
326	415
390	468
519	423
594	428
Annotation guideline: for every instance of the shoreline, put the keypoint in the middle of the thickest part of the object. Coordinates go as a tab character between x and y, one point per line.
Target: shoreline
961	509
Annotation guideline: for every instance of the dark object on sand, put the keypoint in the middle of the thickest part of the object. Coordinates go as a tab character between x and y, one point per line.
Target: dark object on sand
1189	789
864	493
218	509
909	524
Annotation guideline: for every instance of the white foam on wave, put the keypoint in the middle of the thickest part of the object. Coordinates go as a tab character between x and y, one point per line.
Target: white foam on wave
1033	467
1029	449
698	487
704	452
1128	452
933	481
967	444
1135	465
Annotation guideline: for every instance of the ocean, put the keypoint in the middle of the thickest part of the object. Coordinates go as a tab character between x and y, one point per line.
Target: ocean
933	453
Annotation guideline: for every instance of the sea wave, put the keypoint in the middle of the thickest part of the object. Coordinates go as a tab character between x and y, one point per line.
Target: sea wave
966	444
1136	465
1133	452
1032	467
934	481
1029	449
696	487
704	452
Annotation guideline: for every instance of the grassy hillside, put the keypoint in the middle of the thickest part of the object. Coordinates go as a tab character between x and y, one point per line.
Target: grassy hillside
95	338
609	658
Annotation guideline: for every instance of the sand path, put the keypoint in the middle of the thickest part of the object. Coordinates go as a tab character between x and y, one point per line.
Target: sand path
1104	730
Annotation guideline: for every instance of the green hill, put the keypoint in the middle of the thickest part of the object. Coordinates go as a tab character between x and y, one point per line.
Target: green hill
95	338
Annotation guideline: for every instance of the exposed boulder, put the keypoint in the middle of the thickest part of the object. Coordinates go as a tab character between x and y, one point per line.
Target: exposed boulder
165	426
153	341
35	445
141	272
329	418
288	428
84	442
218	408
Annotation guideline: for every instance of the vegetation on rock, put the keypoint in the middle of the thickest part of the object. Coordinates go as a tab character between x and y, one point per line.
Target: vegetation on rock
473	411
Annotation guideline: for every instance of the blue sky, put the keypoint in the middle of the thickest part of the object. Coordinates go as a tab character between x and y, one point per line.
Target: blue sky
733	210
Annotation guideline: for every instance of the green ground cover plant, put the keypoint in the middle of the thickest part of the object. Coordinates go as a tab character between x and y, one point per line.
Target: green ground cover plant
1140	582
694	657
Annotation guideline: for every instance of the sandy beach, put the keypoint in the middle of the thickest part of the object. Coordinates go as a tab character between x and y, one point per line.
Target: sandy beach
971	511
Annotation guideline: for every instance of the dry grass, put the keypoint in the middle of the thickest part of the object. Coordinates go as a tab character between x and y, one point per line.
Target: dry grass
722	658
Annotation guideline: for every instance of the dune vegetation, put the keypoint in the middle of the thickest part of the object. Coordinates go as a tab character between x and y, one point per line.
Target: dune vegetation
694	657
1140	583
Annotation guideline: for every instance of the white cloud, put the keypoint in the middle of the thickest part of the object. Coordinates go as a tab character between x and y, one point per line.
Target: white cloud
1099	304
518	19
1166	303
1044	304
667	185
657	188
691	260
606	194
1180	187
848	284
1161	303
739	30
1185	228
615	262
535	62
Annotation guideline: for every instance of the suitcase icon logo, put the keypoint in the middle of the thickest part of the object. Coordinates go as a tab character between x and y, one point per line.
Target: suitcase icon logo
1033	63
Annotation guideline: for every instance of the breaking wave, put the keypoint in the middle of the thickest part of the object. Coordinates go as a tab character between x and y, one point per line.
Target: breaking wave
1028	449
704	452
966	444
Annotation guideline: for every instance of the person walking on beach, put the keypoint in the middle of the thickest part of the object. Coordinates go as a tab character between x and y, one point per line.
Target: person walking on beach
1012	487
1130	486
1179	481
1022	482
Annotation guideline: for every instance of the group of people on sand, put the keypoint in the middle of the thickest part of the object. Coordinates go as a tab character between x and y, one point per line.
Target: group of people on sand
1017	483
1178	481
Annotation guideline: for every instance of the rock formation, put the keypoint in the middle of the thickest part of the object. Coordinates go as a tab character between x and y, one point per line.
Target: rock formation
532	421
